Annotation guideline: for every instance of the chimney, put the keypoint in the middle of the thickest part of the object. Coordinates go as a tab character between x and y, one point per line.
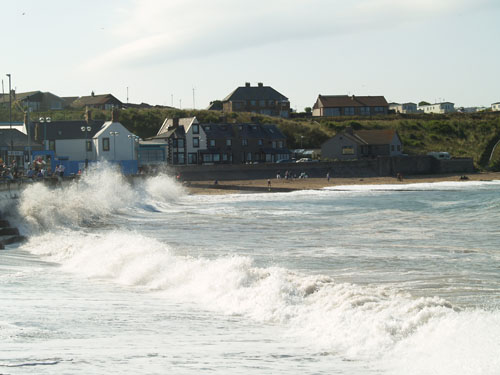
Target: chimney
92	93
175	122
247	84
261	84
114	115
88	115
352	97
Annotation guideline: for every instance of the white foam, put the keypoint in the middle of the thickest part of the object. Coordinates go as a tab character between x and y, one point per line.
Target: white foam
356	322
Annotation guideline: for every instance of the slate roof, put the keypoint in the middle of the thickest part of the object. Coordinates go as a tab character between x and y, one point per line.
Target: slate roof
169	122
350	101
19	139
267	131
374	137
254	93
68	129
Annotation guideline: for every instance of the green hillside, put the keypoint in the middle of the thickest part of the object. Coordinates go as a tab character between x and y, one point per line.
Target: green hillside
462	135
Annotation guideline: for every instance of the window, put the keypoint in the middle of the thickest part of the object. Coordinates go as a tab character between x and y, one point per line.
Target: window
105	144
88	145
192	158
216	157
196	129
228	142
249	156
225	157
271	102
146	156
181	158
262	103
349	111
211	143
196	142
52	145
392	148
365	110
347	150
253	102
180	143
244	142
260	142
280	144
274	144
207	158
379	109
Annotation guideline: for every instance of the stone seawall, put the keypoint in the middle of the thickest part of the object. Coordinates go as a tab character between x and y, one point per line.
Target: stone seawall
379	167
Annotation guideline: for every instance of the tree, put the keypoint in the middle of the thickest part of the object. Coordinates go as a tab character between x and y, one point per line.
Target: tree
308	110
424	103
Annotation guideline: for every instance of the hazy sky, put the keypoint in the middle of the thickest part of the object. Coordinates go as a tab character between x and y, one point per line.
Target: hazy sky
406	50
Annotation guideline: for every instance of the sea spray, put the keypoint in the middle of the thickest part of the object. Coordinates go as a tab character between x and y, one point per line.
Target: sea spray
86	202
358	322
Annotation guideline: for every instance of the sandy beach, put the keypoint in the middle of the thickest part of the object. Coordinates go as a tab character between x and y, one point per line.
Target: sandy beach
282	185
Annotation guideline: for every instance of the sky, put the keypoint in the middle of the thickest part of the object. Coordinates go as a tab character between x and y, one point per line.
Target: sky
187	53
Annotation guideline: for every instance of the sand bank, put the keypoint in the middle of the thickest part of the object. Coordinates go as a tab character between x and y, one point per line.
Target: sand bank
282	185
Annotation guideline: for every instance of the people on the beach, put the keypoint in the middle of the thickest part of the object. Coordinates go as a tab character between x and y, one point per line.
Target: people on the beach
269	184
328	176
399	176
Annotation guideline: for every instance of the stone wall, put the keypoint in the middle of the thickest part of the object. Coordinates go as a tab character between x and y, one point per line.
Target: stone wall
381	166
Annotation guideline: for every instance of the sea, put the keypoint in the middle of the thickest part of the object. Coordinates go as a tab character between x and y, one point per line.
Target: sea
144	278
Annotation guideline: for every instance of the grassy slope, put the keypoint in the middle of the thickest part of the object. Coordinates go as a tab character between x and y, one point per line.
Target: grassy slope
462	135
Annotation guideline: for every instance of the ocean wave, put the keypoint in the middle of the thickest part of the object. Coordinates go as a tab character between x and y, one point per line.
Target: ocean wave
358	322
91	200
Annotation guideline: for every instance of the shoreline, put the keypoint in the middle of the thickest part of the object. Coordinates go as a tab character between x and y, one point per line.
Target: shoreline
282	185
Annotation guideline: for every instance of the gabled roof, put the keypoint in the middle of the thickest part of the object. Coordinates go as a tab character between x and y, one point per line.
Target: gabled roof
350	101
375	137
95	100
259	92
169	123
68	129
268	131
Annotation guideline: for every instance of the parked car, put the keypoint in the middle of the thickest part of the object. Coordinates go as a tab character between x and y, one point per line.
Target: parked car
439	155
286	161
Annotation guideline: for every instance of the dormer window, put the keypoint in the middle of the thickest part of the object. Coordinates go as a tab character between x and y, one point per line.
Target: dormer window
196	129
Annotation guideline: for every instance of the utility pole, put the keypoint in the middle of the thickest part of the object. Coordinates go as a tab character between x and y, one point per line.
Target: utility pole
172	100
127	94
194	106
180	103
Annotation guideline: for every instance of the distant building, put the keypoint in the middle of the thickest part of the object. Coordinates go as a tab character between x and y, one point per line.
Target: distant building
190	142
82	141
215	105
35	100
14	145
257	99
105	102
351	144
495	107
444	107
345	105
403	108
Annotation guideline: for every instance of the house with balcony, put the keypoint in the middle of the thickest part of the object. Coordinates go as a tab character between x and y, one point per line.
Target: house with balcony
35	100
349	105
358	144
259	99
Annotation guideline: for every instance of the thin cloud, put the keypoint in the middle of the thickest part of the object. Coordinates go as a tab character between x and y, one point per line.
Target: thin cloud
159	31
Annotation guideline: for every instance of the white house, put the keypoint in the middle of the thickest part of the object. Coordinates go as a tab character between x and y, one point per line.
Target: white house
444	107
495	107
403	108
113	142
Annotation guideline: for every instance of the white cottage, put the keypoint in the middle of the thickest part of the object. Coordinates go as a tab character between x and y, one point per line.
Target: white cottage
114	143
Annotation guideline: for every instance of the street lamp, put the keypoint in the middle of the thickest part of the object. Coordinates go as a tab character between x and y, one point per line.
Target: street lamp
133	140
86	129
114	135
301	138
44	121
10	115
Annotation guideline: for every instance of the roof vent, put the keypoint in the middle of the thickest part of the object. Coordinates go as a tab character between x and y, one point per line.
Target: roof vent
261	84
247	84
